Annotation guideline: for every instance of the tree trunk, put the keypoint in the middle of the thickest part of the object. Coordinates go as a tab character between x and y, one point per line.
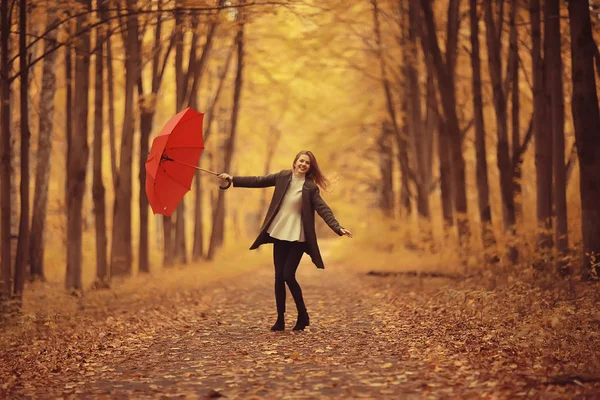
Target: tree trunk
386	164
445	166
516	159
43	164
483	189
5	170
168	241
435	124
112	130
418	133
146	122
543	140
23	243
198	245
500	107
179	250
445	78
557	122
148	109
121	252
400	135
98	190
586	119
78	157
68	107
219	214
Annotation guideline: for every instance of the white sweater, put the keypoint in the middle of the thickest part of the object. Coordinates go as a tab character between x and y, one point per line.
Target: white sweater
287	224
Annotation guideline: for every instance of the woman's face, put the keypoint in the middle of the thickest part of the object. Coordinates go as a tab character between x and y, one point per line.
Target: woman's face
302	165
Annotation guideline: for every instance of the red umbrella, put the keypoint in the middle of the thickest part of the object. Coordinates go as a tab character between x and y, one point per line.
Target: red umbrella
172	161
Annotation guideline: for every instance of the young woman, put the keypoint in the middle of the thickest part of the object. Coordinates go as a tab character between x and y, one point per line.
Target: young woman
290	226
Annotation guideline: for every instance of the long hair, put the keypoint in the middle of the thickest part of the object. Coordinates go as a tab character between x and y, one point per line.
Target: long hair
314	171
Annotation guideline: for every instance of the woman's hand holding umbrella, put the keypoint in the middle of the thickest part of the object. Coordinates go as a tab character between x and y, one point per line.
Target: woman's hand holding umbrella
225	177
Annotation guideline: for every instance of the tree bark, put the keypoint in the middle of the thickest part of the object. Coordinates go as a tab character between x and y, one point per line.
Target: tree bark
112	130
179	242
500	107
148	110
78	156
386	158
516	159
198	244
98	190
543	140
401	135
445	78
418	132
23	242
121	252
483	189
586	119
436	124
557	122
5	170
445	167
219	214
43	164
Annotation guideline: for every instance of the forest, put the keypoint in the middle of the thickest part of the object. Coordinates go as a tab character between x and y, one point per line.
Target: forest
461	140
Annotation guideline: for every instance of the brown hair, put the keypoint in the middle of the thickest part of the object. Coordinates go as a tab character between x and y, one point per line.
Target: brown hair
314	172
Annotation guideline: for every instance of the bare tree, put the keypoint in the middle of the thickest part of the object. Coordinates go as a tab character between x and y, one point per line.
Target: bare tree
219	214
516	159
543	140
500	107
44	151
78	155
483	189
148	109
420	136
401	134
586	118
211	111
445	71
556	122
386	163
5	170
121	251
98	191
23	242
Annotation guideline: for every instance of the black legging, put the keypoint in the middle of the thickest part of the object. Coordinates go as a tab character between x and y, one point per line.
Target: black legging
286	257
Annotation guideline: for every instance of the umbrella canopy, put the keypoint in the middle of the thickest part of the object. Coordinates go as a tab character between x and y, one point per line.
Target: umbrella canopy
172	161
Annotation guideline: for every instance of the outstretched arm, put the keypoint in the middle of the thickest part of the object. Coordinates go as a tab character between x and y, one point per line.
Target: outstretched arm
325	212
251	181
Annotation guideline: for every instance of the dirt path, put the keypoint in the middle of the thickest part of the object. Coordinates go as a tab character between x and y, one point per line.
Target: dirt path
369	337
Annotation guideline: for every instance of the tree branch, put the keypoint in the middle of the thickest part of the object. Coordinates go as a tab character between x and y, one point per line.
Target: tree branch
127	14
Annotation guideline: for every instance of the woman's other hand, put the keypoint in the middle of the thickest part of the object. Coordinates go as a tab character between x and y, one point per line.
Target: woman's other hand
346	232
225	177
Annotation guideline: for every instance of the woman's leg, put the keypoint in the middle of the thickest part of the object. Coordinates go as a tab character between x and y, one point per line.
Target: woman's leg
296	250
280	253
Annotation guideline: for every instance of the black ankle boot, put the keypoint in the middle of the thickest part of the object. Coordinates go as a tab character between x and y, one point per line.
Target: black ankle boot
302	322
280	324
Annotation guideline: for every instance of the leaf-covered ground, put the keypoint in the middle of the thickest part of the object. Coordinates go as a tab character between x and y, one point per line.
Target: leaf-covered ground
370	337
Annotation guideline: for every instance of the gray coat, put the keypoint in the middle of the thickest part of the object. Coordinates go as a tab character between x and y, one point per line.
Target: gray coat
311	202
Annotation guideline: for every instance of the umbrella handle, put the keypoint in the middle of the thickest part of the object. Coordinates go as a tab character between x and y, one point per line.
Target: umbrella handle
229	181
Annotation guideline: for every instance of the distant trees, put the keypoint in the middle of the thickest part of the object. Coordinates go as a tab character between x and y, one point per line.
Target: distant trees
504	67
89	40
